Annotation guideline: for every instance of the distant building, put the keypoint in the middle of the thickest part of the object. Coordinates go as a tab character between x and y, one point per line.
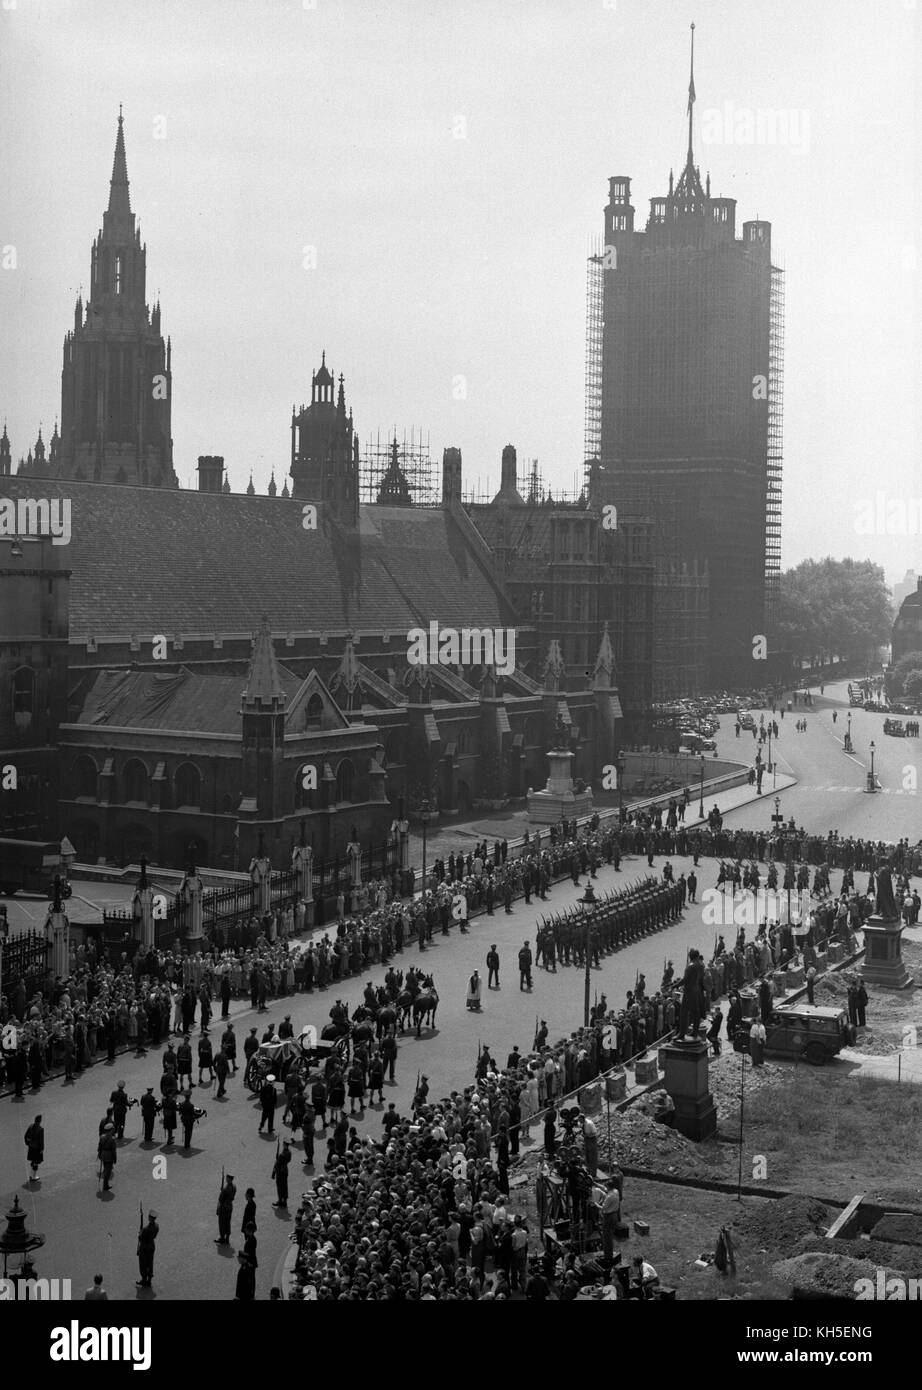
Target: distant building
116	382
907	629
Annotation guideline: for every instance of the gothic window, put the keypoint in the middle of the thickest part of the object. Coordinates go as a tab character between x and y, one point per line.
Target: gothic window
464	741
314	714
307	798
118	275
134	781
345	774
187	785
83	777
23	696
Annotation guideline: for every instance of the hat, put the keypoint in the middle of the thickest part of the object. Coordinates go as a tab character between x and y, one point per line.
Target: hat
270	1077
152	1215
121	1083
150	1088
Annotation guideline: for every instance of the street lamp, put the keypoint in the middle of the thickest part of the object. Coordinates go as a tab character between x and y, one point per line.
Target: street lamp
871	785
701	802
587	902
848	734
769	768
425	811
620	765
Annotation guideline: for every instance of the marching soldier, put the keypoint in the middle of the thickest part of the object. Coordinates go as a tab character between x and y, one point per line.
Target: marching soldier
229	1045
221	1071
280	1173
147	1240
149	1108
225	1210
184	1061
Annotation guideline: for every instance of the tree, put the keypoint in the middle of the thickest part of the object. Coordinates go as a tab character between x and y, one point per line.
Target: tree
834	608
901	678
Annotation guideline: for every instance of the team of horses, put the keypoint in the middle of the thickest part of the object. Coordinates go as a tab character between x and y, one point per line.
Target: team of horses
417	999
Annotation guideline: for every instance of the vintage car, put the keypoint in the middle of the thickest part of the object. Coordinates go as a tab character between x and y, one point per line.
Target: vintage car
806	1031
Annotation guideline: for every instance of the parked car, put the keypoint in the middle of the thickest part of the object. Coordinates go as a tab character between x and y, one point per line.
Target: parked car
806	1032
746	719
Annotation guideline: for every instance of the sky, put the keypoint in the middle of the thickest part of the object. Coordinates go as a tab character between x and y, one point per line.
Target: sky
413	186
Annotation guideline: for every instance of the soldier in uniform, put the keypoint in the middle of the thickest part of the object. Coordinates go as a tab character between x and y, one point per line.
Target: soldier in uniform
119	1102
229	1044
188	1116
168	1112
147	1241
225	1210
184	1061
149	1108
107	1153
280	1173
249	1210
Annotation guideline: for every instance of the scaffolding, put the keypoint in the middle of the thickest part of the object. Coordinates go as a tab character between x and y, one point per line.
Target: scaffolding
415	463
775	447
592	424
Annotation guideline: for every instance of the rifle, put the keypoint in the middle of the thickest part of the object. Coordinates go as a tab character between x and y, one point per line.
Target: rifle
140	1225
221	1189
276	1163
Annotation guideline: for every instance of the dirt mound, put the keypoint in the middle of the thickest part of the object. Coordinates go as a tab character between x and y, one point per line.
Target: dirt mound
881	1253
639	1142
818	1275
779	1225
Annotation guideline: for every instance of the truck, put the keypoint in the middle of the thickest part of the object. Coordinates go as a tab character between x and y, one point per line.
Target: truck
28	865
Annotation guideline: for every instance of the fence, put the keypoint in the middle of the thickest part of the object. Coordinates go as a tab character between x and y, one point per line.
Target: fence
25	957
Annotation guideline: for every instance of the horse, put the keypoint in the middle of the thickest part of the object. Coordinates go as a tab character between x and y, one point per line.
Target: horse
403	1005
387	1017
424	1007
362	1032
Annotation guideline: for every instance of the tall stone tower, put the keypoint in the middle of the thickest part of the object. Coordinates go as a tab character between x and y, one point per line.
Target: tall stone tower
116	383
325	450
690	415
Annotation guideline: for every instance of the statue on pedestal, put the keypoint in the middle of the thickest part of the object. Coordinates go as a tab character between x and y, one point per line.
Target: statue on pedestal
884	901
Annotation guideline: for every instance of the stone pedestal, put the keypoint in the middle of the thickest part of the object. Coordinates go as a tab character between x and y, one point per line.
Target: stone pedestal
616	1086
883	959
835	953
686	1081
794	979
646	1071
559	801
590	1098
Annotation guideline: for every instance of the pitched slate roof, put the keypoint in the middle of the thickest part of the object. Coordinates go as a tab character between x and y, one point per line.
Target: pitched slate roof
171	700
150	560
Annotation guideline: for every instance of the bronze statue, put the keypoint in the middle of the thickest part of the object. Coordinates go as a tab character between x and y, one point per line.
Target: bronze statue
884	901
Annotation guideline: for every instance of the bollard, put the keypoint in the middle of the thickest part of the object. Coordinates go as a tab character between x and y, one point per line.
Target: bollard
590	1098
645	1071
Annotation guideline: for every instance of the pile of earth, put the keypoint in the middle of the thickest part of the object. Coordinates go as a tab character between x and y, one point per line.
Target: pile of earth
724	1082
640	1142
780	1224
882	1254
821	1275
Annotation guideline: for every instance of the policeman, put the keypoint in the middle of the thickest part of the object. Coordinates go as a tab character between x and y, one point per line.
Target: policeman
225	1210
280	1173
149	1108
147	1241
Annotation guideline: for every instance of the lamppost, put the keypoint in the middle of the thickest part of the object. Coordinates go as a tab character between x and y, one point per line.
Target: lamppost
871	784
769	768
701	802
620	765
848	734
587	902
426	811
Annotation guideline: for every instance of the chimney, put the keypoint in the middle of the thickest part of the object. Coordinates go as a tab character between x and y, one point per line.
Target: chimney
210	472
451	476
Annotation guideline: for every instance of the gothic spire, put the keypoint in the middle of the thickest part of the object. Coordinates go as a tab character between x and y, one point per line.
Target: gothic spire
118	184
691	94
264	685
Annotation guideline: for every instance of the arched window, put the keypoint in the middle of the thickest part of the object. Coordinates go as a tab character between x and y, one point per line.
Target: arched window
307	798
187	785
83	776
464	742
23	696
134	781
345	774
313	717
